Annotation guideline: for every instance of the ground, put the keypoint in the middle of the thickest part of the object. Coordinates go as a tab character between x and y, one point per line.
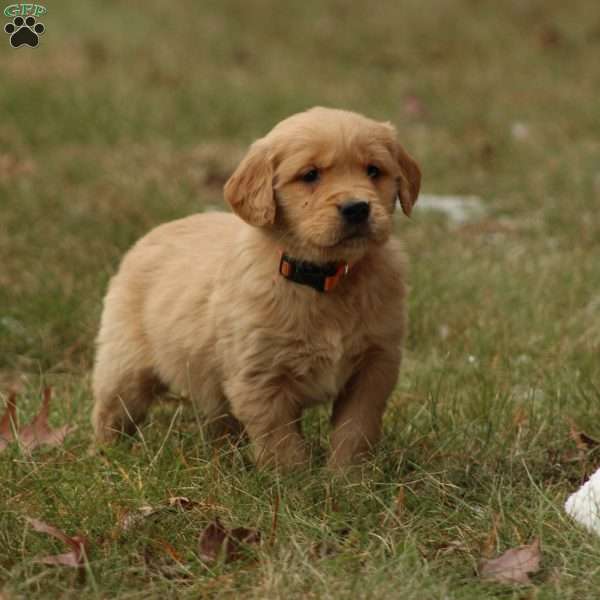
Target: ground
128	114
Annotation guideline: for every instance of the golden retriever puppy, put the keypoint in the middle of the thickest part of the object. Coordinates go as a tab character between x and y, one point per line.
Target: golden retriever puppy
296	299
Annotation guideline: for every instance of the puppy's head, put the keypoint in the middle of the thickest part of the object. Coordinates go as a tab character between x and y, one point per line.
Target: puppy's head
325	183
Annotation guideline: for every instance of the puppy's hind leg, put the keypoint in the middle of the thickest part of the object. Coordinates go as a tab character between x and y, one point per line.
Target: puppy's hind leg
124	388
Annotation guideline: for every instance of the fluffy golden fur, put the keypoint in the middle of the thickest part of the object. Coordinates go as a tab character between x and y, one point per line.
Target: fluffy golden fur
198	305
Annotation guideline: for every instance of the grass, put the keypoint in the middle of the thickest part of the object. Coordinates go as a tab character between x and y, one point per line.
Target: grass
130	114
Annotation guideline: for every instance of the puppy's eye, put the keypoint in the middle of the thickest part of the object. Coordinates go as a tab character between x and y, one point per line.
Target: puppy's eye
373	172
310	176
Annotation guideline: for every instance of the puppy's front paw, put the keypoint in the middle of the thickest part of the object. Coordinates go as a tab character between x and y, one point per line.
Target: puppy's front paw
288	454
349	455
352	467
104	434
109	426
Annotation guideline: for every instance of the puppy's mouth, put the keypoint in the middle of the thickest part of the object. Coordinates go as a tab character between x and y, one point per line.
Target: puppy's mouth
354	236
351	238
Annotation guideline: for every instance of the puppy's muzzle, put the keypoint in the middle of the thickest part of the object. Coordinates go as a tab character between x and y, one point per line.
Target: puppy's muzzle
355	212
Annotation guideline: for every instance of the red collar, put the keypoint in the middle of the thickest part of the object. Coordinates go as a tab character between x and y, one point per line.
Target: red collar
321	277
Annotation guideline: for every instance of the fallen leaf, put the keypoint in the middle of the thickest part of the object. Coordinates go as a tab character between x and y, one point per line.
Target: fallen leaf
582	440
217	542
130	519
127	520
39	433
514	566
183	503
74	558
8	424
170	550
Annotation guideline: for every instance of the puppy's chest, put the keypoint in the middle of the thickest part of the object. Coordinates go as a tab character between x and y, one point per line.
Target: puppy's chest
325	362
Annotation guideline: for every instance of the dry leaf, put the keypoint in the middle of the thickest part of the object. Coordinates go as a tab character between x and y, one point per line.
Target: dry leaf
514	566
582	440
129	519
170	550
218	542
74	558
8	424
183	503
38	432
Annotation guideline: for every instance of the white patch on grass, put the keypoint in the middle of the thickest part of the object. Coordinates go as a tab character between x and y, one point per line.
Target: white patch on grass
584	505
458	209
519	130
528	393
523	359
14	326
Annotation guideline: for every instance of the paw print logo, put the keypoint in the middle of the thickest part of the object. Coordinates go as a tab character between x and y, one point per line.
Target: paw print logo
24	32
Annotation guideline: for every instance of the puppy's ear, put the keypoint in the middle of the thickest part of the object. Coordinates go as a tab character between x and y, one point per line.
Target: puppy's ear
409	180
249	191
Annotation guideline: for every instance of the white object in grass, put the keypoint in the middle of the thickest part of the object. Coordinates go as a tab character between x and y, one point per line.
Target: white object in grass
458	209
584	504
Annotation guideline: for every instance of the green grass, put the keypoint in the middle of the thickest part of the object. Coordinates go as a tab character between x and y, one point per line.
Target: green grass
130	114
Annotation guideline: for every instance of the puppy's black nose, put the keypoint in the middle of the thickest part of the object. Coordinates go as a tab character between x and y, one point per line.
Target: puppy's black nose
354	211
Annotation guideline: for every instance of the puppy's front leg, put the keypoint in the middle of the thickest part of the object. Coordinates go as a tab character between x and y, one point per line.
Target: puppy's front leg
271	417
358	411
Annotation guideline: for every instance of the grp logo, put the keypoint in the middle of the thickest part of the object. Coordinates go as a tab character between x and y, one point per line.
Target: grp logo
25	29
